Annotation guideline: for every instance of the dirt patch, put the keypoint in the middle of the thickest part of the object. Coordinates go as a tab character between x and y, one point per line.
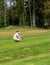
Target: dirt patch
24	56
48	50
6	58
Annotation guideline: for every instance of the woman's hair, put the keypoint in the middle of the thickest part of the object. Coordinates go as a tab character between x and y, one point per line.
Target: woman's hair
18	31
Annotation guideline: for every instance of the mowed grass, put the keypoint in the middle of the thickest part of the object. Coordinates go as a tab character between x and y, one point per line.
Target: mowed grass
33	50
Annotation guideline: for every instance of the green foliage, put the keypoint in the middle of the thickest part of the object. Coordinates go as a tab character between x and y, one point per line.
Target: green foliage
2	24
18	14
21	12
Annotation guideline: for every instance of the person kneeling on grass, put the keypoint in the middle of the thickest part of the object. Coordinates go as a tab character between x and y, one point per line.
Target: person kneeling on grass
17	37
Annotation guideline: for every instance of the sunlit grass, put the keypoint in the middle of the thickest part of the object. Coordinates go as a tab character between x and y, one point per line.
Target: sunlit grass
33	50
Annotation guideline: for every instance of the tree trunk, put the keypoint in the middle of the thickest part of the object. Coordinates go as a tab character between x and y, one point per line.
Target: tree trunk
30	13
5	12
20	21
34	21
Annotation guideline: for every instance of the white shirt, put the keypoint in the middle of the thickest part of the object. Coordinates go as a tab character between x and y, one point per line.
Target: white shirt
16	35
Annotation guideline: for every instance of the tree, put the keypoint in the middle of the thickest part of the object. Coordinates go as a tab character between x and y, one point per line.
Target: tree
33	3
1	13
5	12
21	13
40	16
47	12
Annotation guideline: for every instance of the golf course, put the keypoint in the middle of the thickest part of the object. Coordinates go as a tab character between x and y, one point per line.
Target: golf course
34	49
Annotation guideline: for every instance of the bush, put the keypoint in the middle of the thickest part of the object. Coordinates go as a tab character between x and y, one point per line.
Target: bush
2	24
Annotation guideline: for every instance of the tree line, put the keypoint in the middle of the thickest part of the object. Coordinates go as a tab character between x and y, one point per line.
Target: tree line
25	12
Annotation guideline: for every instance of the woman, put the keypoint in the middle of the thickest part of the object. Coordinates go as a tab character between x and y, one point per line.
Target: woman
17	37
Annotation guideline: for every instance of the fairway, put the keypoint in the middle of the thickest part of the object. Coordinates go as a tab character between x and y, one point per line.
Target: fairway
33	50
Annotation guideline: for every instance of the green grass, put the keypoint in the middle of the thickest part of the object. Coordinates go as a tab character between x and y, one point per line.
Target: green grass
33	50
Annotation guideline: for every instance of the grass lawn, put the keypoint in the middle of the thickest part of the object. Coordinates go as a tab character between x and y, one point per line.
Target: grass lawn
33	50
